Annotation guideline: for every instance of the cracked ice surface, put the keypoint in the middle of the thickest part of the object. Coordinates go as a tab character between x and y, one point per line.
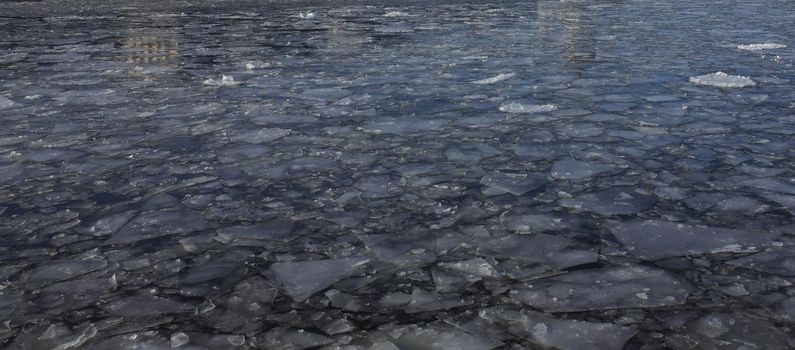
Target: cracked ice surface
437	175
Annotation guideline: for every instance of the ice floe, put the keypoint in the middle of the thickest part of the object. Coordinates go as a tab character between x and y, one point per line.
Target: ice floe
301	279
226	80
495	79
517	107
655	239
758	47
723	80
606	288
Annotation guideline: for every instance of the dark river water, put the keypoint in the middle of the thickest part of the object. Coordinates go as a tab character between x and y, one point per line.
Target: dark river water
397	175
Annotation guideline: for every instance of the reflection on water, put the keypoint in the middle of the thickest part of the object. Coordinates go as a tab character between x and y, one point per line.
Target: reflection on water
153	49
564	23
150	41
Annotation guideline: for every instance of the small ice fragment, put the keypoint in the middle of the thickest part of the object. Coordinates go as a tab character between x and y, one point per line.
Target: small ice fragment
179	339
307	15
495	79
723	80
758	47
516	107
226	80
6	103
395	14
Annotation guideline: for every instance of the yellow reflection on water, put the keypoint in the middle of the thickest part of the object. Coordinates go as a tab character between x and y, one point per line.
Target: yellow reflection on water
150	49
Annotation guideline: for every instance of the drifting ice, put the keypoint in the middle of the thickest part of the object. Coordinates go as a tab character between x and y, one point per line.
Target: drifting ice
516	107
495	79
226	80
757	47
723	80
395	14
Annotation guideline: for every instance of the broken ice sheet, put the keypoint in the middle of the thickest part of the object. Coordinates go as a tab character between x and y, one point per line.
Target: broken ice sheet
604	288
475	266
577	170
145	305
157	224
302	279
776	260
498	183
423	301
613	201
56	271
548	251
378	186
409	249
731	330
289	338
263	135
531	223
433	338
655	239
471	152
550	332
273	230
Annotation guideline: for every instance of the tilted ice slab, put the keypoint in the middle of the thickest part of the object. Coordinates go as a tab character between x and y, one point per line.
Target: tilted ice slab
723	80
779	261
577	170
501	183
516	107
429	338
563	334
758	47
548	250
613	201
605	288
655	239
145	305
495	79
301	279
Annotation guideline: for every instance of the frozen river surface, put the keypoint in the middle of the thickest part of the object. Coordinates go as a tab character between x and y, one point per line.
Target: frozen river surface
411	176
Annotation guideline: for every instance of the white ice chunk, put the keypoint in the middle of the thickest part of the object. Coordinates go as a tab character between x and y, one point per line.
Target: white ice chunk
495	79
723	80
6	103
226	80
395	14
307	15
516	107
758	47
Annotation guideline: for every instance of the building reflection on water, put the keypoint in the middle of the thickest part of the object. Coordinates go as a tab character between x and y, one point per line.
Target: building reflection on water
565	24
149	48
150	41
